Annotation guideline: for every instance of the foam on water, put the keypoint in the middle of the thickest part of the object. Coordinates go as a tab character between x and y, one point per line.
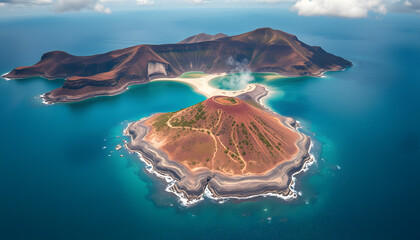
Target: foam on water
5	78
184	201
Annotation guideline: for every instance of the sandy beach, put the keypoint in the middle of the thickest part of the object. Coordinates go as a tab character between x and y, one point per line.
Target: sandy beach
202	86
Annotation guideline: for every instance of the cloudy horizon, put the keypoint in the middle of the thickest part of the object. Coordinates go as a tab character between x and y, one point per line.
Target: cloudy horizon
332	8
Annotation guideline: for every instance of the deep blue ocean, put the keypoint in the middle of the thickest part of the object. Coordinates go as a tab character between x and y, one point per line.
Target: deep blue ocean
58	182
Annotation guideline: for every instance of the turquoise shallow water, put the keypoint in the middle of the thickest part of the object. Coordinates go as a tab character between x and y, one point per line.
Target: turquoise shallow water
58	182
238	81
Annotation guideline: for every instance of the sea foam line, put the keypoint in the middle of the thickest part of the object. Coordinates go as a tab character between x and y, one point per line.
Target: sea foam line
171	182
263	100
44	101
41	96
208	194
292	195
5	78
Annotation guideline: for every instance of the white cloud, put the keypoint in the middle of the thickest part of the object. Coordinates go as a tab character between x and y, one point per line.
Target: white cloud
101	8
26	2
340	8
62	5
273	1
408	4
412	6
145	2
78	5
197	2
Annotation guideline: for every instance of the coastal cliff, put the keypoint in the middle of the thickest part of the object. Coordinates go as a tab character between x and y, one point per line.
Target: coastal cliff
261	50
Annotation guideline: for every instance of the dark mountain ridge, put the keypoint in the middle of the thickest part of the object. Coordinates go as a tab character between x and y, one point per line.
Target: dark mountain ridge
264	50
202	37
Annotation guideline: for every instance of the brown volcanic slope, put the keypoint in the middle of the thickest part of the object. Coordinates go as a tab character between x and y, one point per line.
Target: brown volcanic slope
202	37
265	50
223	134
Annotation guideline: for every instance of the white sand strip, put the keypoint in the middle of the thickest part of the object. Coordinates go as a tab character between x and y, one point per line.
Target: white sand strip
202	86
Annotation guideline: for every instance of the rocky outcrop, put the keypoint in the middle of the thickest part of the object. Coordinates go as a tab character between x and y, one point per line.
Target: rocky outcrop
155	69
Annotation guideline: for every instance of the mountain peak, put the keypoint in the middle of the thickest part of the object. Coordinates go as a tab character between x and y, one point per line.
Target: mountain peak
224	134
265	36
202	37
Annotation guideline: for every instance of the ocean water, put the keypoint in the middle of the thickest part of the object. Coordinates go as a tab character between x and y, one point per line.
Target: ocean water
57	180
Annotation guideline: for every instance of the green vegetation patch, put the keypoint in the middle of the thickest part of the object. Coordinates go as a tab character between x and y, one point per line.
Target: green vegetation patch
161	121
232	100
199	114
261	136
193	75
182	122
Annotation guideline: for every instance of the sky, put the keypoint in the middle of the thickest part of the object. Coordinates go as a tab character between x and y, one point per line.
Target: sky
333	8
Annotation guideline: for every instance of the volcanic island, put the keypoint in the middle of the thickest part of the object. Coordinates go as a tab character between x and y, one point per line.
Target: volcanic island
261	50
228	146
232	147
